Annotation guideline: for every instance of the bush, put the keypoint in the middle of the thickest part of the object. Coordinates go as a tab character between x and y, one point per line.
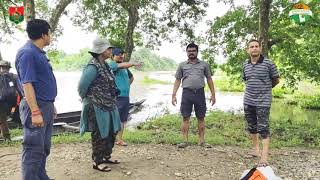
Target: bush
228	85
280	92
310	102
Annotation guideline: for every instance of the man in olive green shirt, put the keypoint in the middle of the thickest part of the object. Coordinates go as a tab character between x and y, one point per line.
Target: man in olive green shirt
192	74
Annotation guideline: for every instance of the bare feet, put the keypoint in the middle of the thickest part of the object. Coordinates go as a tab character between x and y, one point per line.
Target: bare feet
263	161
254	153
206	145
257	152
183	145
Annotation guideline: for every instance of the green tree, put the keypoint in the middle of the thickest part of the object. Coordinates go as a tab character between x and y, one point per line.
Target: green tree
6	27
33	8
72	62
292	47
153	62
140	22
51	14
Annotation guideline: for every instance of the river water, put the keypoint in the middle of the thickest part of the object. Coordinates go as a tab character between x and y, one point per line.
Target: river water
158	99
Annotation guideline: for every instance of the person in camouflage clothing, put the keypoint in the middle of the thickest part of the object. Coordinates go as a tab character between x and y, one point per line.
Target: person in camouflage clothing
100	115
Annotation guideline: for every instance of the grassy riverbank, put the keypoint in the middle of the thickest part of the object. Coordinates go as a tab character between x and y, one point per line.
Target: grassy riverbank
306	96
223	128
150	81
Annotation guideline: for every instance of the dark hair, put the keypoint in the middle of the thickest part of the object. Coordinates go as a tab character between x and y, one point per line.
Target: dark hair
192	45
36	28
253	40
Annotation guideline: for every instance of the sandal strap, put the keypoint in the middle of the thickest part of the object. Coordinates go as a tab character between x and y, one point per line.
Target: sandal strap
106	167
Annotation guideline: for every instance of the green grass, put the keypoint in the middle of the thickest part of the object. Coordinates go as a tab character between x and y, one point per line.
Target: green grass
280	92
148	81
222	128
227	85
305	101
57	139
224	84
307	96
71	138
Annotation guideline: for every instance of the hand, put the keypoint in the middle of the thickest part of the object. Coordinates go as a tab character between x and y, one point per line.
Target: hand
138	65
213	100
55	113
174	100
37	121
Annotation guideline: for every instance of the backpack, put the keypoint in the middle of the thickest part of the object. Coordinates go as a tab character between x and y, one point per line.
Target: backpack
254	174
8	93
259	173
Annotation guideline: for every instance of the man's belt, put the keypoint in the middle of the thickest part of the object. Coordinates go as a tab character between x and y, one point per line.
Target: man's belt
195	91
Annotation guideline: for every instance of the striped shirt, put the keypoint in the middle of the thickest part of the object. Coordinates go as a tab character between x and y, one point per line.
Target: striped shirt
258	78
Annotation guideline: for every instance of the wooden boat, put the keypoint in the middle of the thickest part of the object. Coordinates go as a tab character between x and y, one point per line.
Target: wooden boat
69	121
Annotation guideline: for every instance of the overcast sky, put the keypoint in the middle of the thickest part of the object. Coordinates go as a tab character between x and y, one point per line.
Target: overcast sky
74	39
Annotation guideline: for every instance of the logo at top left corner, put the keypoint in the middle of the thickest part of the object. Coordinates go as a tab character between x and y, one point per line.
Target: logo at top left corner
16	14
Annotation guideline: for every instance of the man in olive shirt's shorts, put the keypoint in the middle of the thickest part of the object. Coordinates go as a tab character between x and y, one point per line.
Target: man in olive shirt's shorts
192	74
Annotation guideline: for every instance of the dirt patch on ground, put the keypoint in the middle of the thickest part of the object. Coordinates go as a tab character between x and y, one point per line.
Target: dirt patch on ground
164	162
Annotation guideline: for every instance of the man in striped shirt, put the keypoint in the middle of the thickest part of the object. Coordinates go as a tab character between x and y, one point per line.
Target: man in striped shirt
260	75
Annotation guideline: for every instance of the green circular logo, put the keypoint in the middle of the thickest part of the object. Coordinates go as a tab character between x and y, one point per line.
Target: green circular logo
300	13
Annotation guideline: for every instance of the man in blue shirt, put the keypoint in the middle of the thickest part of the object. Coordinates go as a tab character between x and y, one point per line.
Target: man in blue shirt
124	78
39	90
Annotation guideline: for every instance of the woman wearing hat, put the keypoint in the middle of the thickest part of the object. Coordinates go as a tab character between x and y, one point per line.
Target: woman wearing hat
100	115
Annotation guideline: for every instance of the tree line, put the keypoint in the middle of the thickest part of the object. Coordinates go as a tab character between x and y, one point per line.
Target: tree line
147	23
76	62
